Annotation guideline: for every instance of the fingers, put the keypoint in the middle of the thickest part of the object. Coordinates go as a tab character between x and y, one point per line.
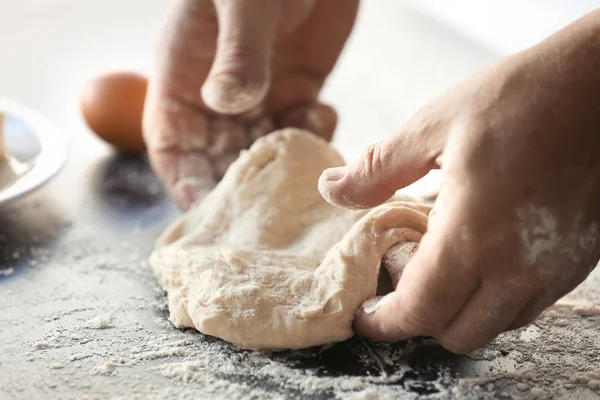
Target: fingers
397	258
176	136
432	290
176	129
527	315
240	74
443	291
384	168
455	290
488	313
547	296
320	119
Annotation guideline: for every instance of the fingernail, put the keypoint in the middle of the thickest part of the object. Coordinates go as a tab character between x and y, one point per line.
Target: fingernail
371	305
335	174
230	94
326	186
229	81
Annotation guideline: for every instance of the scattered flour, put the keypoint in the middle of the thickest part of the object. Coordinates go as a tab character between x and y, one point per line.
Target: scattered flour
161	353
106	368
577	306
100	322
41	346
55	355
537	228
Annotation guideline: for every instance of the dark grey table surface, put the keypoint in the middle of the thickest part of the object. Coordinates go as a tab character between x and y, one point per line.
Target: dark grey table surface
81	316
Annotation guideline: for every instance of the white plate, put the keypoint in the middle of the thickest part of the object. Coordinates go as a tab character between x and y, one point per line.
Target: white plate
36	151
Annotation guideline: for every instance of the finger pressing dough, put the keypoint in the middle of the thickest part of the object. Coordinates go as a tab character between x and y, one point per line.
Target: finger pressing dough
265	263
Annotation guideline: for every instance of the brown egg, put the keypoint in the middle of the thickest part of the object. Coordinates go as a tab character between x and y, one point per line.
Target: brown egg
112	105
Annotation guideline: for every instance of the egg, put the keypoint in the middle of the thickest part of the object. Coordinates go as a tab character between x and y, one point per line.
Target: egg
112	104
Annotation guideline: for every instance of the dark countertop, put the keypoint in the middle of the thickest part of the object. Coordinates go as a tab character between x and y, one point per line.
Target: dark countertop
83	317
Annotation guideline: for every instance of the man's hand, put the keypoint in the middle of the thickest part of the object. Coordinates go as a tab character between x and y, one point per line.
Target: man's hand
516	223
230	71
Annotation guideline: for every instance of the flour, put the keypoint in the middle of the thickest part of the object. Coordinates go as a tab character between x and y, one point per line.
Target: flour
537	228
100	322
278	374
577	306
41	346
167	363
106	368
170	351
522	386
558	353
538	231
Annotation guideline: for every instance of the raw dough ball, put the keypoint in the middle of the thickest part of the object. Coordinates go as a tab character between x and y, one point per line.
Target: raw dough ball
264	262
112	105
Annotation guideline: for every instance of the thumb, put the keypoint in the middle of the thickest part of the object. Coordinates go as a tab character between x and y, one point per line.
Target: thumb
384	168
240	75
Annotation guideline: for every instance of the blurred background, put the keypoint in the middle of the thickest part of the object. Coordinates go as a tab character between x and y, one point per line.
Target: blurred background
506	26
401	53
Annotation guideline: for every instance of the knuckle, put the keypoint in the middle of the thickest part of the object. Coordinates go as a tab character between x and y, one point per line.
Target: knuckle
237	53
371	160
417	321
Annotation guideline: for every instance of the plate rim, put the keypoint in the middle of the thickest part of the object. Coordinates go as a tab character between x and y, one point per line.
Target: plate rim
52	156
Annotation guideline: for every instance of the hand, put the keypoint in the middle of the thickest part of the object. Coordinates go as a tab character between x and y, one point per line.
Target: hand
516	222
230	72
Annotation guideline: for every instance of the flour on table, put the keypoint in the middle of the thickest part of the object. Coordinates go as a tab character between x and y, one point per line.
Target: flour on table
101	321
265	262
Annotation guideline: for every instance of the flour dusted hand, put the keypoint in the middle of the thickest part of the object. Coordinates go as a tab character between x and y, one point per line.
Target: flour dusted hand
517	220
264	262
229	71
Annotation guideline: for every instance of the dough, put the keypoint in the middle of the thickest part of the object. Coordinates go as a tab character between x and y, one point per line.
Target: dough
265	263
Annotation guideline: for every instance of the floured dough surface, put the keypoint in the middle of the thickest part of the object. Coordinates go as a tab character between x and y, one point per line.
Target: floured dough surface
265	263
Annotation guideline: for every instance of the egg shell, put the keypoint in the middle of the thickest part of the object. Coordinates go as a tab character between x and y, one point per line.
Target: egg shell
112	104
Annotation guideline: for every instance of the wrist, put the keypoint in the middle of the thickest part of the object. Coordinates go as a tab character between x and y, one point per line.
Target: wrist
572	55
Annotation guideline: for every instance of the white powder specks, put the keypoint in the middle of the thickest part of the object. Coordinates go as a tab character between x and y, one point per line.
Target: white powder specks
106	368
184	371
537	227
162	353
578	306
585	243
41	346
100	322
